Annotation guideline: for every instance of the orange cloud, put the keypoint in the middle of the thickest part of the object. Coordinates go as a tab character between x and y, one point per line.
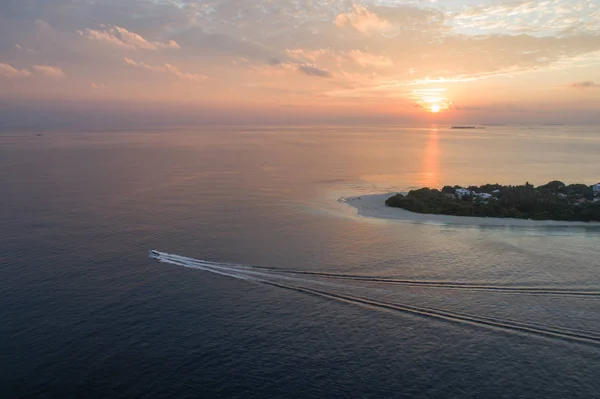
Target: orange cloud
166	68
184	75
361	19
121	37
47	70
9	71
358	57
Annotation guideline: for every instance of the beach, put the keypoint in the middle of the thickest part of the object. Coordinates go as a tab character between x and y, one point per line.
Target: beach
373	206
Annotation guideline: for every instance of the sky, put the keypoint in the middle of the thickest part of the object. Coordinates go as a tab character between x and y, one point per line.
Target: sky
299	61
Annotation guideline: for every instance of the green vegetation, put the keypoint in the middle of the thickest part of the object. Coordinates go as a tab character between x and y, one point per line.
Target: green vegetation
552	201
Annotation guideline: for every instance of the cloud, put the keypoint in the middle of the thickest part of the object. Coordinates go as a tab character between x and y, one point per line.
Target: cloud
42	25
166	68
365	59
333	35
540	17
9	71
143	65
49	71
313	71
275	65
358	57
184	75
310	55
361	19
26	50
121	37
587	84
346	48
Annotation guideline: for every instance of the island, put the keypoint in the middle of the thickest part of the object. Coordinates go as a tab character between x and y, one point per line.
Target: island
554	201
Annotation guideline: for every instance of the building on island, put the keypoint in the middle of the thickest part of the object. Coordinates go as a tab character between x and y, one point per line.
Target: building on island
596	189
462	192
483	197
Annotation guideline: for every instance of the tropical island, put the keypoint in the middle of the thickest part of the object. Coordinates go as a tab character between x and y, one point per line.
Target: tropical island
552	201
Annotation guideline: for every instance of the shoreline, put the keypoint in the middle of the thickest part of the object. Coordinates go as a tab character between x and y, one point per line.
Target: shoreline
373	206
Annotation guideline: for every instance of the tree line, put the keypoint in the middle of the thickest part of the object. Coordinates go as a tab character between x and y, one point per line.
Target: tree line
552	201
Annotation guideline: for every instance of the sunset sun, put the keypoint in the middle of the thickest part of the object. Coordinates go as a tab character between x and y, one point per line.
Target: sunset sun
435	108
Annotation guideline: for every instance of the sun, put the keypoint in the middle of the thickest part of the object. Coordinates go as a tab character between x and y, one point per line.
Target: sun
435	108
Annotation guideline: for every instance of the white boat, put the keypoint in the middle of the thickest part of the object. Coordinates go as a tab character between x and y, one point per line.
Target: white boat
153	254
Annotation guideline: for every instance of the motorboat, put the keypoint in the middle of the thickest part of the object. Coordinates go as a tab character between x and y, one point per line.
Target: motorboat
153	254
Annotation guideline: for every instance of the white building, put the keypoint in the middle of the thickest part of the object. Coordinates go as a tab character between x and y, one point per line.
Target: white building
483	197
596	189
462	192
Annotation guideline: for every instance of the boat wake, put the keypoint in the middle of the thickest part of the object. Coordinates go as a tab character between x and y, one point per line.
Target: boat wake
327	288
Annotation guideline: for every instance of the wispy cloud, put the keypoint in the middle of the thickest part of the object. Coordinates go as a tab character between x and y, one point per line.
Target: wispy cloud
143	65
586	84
313	71
50	71
276	65
166	68
8	71
365	59
26	50
361	58
121	37
330	51
308	55
184	75
361	19
525	16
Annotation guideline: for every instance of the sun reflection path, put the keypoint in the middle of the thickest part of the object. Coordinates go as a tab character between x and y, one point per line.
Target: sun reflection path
430	173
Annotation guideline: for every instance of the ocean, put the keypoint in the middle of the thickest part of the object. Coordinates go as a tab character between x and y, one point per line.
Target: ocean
272	288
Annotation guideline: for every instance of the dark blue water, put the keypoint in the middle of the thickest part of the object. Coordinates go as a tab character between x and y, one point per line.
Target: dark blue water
85	313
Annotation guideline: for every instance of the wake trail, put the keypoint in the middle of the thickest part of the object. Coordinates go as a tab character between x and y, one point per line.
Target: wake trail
440	314
254	275
409	283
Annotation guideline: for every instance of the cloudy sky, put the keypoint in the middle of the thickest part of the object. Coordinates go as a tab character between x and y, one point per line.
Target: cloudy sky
303	60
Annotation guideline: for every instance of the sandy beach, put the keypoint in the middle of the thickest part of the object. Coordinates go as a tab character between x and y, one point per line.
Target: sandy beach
373	205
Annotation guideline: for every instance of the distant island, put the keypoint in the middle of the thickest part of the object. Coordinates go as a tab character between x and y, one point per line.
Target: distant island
552	201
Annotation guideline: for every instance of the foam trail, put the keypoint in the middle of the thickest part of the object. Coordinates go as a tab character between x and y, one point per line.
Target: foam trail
407	283
456	317
200	267
464	318
243	274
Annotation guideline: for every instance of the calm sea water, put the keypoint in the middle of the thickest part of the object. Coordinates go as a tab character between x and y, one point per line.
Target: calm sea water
453	311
